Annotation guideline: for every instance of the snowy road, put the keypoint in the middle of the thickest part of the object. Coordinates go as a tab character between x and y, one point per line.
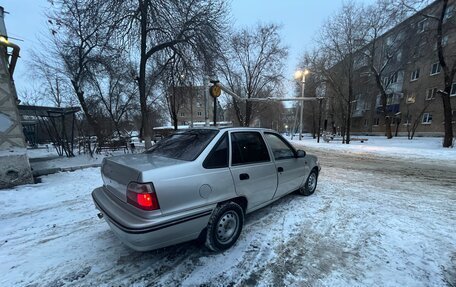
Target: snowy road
372	221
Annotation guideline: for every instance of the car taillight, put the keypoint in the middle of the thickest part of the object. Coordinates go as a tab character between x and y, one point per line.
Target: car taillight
142	195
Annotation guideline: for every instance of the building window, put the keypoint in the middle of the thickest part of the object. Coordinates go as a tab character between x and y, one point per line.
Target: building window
449	12
393	78
198	104
199	114
453	89
427	119
378	101
365	123
415	75
435	68
399	56
444	40
392	99
360	61
388	42
422	25
376	121
182	114
411	99
430	94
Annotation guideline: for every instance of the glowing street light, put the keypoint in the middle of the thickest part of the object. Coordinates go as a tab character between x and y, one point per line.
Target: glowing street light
4	40
301	74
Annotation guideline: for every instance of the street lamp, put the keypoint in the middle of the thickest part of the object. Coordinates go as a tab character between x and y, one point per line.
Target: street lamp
301	75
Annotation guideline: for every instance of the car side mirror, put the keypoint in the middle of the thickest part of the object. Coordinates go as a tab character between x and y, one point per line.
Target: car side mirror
300	153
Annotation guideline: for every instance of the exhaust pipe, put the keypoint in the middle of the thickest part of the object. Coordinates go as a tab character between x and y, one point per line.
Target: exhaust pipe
100	215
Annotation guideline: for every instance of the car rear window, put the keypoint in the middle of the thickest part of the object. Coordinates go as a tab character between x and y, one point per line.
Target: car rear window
186	145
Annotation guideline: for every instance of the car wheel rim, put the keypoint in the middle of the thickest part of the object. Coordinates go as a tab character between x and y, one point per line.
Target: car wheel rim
312	182
227	226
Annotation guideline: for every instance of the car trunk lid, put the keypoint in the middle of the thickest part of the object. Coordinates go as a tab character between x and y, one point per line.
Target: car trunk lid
118	171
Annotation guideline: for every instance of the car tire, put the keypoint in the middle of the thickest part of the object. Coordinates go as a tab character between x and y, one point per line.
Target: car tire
224	227
310	185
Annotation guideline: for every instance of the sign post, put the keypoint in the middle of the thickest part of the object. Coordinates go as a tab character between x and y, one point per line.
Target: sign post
215	92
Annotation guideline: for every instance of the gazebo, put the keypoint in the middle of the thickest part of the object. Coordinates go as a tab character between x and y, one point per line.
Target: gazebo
57	122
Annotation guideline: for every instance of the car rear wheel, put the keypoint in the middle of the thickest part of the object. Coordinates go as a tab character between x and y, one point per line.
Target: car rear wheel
224	227
310	185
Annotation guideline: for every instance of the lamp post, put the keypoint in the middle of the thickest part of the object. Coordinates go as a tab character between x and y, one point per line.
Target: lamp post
301	74
320	100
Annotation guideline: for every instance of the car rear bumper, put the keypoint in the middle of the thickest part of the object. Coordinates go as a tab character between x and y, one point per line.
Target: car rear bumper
144	234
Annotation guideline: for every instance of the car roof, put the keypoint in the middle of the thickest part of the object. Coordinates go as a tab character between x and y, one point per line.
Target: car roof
233	129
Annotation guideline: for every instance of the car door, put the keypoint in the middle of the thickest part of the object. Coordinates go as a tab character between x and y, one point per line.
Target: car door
253	172
291	170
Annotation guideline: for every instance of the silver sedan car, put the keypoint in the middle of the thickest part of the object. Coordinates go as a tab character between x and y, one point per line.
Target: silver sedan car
199	183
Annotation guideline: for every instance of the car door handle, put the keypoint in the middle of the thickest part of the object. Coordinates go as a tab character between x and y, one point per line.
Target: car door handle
280	169
244	176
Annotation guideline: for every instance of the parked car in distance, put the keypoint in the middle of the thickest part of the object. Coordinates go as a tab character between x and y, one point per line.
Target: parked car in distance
199	183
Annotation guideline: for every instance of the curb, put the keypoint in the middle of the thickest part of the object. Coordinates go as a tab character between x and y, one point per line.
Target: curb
48	171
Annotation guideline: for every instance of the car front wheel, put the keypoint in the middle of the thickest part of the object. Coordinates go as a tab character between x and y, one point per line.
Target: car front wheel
224	227
310	185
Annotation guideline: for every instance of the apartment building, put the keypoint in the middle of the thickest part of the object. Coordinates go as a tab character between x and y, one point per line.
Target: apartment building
190	105
412	78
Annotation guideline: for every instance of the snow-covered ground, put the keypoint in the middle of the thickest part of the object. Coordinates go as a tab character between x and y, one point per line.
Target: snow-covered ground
361	228
397	147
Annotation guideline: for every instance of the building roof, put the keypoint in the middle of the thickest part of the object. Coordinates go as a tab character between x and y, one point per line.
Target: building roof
41	111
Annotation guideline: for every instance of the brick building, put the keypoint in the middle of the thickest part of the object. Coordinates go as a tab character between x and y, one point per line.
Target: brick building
412	78
190	105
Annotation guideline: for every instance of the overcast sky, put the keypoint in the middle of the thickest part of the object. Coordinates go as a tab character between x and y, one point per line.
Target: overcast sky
300	22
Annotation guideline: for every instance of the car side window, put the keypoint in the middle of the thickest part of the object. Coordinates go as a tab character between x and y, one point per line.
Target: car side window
248	147
279	148
218	157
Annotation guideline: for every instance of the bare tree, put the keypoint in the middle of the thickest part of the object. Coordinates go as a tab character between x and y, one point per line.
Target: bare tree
81	33
188	29
48	81
383	52
112	82
442	17
31	96
252	66
270	115
341	37
413	117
